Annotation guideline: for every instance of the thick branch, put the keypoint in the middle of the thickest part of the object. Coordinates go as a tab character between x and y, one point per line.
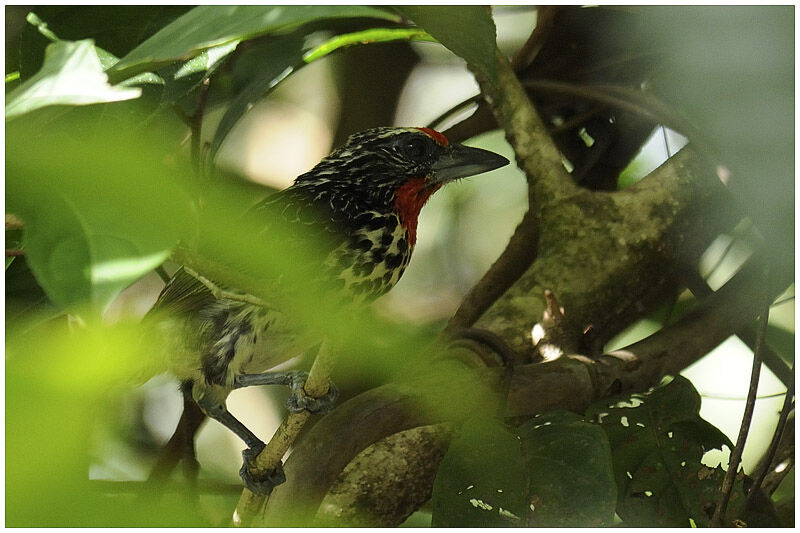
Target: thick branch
366	493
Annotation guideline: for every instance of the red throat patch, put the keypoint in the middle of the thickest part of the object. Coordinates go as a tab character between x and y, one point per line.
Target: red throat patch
435	135
408	201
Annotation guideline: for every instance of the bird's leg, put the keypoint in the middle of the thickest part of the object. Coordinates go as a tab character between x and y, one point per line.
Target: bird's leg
219	412
180	446
295	379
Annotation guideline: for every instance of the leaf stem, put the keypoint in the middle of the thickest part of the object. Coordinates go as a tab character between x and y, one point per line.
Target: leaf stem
374	35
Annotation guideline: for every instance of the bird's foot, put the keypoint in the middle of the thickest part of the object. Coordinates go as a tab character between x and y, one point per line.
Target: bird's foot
262	484
299	400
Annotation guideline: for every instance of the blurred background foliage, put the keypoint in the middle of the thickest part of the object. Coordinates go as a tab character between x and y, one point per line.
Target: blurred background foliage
130	129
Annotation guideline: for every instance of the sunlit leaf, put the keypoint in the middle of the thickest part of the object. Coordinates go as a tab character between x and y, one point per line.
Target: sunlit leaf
468	31
657	441
71	75
207	26
571	480
207	60
481	480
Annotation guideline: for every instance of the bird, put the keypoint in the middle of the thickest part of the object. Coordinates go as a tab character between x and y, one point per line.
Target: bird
365	199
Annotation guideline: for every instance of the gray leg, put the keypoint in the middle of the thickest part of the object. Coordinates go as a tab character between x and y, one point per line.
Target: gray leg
298	399
220	413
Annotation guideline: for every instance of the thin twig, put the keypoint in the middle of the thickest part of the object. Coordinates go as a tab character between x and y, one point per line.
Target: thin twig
15	252
472	100
736	454
270	457
545	15
196	125
773	446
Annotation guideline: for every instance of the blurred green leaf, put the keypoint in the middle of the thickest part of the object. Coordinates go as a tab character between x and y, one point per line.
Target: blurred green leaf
61	383
467	31
71	75
100	209
571	479
207	26
734	80
658	440
481	480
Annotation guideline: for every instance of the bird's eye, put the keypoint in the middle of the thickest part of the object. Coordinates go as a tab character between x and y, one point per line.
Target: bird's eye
415	148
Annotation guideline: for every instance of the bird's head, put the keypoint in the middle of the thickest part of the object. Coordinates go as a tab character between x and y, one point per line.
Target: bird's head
395	169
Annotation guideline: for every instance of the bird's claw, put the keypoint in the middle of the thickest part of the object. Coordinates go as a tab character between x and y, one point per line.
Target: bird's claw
264	484
299	400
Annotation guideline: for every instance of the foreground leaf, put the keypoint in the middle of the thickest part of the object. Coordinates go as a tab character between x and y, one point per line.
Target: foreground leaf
99	209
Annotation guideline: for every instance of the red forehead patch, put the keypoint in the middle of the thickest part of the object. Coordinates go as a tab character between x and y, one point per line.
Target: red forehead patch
435	135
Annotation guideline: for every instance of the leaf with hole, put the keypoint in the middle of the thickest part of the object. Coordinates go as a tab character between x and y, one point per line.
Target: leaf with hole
481	480
658	440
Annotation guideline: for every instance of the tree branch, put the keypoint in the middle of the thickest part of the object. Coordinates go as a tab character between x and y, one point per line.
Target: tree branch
768	464
736	454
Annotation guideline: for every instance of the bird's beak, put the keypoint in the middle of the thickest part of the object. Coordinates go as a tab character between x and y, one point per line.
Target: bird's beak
459	161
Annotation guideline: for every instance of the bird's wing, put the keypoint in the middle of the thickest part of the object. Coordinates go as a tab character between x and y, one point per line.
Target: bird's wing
183	293
306	221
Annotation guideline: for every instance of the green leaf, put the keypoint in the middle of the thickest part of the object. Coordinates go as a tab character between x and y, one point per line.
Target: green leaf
658	440
99	209
481	480
467	31
571	479
278	59
285	55
71	75
208	26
